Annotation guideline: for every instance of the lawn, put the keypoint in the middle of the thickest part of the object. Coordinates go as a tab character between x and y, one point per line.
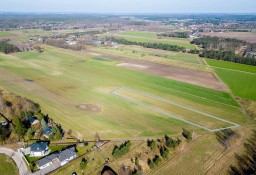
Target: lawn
63	79
241	79
7	166
153	38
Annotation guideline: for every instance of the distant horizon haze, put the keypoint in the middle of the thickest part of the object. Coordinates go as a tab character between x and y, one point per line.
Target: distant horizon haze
130	6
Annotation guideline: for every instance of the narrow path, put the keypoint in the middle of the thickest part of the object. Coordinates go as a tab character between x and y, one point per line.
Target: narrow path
21	165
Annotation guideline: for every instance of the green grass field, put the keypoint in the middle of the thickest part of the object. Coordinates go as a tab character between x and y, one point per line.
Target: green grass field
152	37
5	33
7	166
241	79
63	79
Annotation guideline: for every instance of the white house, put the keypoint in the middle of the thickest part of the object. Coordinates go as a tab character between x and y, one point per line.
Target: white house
39	149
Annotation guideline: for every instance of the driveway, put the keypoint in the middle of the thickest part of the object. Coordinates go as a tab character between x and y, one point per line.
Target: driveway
16	156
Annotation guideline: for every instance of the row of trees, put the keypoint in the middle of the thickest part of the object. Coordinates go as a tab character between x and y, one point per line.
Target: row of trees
122	149
6	48
161	46
175	34
228	56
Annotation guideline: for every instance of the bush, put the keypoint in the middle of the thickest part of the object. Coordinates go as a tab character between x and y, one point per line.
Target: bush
187	134
122	149
171	142
151	144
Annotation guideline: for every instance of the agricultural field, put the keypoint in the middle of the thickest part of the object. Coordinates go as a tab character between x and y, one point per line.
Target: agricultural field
241	79
152	37
186	60
74	89
246	36
8	166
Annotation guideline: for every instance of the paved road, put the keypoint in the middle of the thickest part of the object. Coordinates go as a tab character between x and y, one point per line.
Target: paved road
16	156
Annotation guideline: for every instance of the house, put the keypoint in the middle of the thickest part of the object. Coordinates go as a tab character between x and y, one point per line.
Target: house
39	149
33	120
58	158
67	155
47	161
47	132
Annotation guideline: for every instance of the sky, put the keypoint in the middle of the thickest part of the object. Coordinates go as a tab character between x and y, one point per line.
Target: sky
130	6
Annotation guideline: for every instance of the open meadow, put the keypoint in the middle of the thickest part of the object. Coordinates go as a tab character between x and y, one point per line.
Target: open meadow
73	88
241	79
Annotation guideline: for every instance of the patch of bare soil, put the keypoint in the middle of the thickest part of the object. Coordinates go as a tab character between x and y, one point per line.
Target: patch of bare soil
196	77
89	107
246	36
128	65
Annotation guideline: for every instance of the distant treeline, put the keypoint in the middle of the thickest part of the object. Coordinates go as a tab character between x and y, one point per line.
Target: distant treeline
175	34
208	43
246	163
6	48
160	46
228	56
241	30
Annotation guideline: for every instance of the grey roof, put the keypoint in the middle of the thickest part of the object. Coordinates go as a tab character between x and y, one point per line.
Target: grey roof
47	159
38	146
63	155
67	153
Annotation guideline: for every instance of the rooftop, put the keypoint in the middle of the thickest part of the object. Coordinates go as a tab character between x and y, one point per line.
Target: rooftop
39	146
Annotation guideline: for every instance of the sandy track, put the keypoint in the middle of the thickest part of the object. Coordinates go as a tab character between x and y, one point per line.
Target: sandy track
200	78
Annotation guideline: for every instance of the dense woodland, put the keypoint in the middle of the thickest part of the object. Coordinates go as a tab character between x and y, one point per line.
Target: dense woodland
222	44
175	34
6	48
226	48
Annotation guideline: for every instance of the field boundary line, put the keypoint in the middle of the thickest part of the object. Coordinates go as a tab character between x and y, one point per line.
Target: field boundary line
233	70
113	92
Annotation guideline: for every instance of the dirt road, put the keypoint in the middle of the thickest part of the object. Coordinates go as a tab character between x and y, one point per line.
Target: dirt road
21	165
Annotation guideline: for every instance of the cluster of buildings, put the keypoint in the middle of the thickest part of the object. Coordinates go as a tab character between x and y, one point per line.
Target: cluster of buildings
56	159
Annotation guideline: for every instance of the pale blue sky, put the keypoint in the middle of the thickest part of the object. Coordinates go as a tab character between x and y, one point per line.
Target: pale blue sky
130	6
